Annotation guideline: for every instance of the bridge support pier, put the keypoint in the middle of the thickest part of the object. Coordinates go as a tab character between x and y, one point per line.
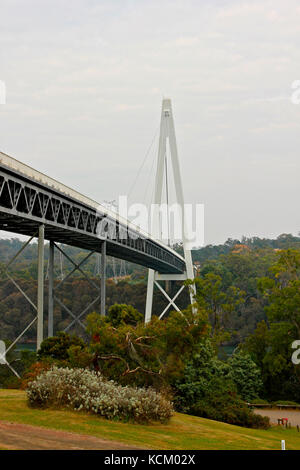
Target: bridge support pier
50	288
40	294
103	278
153	280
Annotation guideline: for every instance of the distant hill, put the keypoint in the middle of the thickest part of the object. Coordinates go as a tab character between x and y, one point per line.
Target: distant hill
283	241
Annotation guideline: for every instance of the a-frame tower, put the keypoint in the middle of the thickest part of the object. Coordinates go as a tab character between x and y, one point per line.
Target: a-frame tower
167	135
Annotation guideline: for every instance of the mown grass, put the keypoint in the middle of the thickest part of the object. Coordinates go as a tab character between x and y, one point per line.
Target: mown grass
182	432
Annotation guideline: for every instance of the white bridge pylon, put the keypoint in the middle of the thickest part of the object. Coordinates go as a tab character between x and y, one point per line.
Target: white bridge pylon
167	134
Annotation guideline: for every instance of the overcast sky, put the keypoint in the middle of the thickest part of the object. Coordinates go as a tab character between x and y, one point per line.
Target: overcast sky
85	80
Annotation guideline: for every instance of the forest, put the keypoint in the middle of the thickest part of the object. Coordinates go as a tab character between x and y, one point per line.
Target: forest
233	265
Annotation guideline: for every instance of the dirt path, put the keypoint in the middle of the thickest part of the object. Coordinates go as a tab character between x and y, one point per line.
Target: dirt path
26	437
293	416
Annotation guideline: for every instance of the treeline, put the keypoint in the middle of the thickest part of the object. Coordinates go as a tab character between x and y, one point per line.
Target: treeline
239	264
223	268
282	242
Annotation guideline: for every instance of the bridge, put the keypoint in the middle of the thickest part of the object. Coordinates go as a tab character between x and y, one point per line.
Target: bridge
36	205
29	198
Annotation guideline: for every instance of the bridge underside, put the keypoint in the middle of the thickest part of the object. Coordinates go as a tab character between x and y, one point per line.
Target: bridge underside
24	226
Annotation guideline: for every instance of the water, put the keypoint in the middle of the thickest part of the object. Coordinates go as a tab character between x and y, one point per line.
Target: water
26	347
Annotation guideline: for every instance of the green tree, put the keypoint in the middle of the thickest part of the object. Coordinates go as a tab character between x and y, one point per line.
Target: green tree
217	302
257	344
123	314
270	347
246	375
154	353
283	289
56	347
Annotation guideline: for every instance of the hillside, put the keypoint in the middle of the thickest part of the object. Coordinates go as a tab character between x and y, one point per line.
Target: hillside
183	431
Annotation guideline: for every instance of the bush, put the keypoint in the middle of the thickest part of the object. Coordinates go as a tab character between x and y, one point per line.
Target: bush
56	347
33	372
82	389
260	401
122	314
222	403
13	383
286	403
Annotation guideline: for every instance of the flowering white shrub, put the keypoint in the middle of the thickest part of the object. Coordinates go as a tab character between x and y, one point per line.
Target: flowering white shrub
82	389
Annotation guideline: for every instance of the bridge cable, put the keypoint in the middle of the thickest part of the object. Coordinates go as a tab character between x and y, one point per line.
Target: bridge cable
150	174
143	163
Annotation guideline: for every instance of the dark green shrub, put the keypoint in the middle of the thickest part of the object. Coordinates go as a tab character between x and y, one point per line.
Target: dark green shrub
56	347
222	403
122	314
286	403
260	401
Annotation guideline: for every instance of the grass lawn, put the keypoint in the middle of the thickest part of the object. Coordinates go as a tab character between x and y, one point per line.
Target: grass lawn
182	432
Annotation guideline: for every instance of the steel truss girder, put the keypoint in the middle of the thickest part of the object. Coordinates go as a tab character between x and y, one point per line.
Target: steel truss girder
25	204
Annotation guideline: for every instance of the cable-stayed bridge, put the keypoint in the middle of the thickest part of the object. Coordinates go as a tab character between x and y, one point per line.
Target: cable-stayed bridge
36	205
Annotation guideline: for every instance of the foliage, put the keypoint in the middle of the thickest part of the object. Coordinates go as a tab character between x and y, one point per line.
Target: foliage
120	314
239	269
246	375
81	389
34	371
222	403
218	302
257	344
197	377
286	403
200	374
16	312
270	345
283	289
261	401
57	347
151	354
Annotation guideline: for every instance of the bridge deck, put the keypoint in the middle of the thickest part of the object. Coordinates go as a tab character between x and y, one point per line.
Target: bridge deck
29	198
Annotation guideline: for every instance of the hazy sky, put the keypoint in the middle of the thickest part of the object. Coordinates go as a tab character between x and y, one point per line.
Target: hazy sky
85	79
